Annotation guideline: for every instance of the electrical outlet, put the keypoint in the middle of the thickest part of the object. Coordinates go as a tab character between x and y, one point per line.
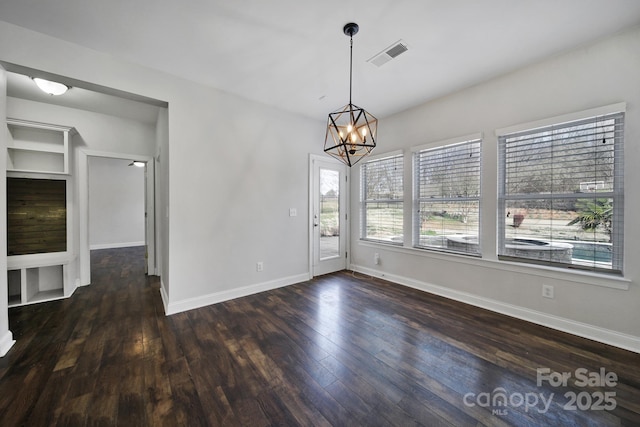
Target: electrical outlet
547	291
376	258
259	266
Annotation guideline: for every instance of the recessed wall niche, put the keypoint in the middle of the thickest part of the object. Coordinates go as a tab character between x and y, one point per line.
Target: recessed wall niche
36	216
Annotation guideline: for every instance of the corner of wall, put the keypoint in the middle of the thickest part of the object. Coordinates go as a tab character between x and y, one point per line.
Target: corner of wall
6	342
217	297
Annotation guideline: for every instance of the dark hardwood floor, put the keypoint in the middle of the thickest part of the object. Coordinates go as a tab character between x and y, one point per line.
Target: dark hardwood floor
340	350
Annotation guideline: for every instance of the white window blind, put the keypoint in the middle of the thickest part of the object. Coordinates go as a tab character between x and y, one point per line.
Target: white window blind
561	194
447	192
382	200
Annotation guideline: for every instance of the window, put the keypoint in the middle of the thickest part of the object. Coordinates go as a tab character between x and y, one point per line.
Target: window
382	200
561	194
447	192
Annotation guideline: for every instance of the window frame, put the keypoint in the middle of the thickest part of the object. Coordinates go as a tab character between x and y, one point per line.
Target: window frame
615	111
415	214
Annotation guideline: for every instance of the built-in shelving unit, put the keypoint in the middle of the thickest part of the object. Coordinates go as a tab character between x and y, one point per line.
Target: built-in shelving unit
38	278
40	151
38	147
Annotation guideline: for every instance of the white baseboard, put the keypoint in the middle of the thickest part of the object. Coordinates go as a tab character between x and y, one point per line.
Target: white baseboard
115	245
216	297
6	342
607	336
164	296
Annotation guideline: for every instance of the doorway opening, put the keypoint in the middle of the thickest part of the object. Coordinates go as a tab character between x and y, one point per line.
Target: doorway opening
118	204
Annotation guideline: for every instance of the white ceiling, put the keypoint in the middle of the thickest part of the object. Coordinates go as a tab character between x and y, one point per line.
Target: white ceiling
292	53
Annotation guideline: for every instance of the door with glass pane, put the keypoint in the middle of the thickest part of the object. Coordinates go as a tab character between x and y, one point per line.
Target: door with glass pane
328	213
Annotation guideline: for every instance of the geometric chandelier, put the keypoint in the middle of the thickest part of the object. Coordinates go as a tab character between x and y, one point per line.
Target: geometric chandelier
351	131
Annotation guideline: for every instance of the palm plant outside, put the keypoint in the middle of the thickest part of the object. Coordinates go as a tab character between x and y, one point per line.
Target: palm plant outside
593	214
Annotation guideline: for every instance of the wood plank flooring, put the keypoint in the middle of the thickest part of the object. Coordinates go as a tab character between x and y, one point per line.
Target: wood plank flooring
340	350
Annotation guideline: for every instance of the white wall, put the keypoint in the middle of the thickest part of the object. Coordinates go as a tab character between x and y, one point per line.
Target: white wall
593	76
96	132
116	204
233	180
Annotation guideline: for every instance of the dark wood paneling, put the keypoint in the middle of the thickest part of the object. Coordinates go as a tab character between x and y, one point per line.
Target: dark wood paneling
36	216
340	350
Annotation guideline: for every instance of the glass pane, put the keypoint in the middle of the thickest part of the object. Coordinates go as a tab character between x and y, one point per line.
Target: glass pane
383	179
450	225
329	213
571	159
384	221
570	231
382	192
452	171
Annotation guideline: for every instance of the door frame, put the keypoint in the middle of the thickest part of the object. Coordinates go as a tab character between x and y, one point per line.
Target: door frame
83	183
347	210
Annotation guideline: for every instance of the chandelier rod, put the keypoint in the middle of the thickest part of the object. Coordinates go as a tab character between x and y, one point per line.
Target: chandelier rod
351	68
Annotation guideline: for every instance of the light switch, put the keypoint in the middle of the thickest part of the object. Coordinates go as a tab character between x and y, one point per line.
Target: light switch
293	212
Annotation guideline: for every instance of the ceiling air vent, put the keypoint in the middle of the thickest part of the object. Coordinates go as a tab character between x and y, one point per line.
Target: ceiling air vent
389	53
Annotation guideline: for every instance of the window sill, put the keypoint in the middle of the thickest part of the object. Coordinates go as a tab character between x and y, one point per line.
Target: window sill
390	243
577	276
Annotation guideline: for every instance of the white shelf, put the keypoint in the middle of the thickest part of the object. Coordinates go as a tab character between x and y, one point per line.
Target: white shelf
37	278
31	146
17	262
44	296
19	160
38	147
